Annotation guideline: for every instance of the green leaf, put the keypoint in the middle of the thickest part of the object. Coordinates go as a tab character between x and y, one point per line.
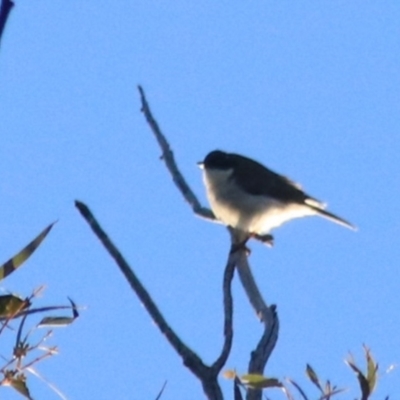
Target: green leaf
60	321
372	369
311	374
368	382
55	322
258	381
19	384
13	263
362	380
11	305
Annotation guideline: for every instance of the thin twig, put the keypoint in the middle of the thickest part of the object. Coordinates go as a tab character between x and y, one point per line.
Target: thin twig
169	159
5	9
49	353
161	391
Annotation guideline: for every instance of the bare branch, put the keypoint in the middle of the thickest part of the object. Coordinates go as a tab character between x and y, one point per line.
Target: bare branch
267	314
190	359
188	355
169	159
262	352
5	9
228	314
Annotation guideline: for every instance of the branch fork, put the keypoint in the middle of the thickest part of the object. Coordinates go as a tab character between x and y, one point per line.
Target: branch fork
238	259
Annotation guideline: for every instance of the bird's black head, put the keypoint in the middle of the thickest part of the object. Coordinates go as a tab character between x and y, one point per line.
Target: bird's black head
218	159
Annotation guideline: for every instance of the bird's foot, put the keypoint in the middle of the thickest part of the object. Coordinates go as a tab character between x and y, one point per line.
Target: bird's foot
267	239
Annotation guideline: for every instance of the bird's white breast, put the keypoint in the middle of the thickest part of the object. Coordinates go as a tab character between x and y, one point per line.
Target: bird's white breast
250	213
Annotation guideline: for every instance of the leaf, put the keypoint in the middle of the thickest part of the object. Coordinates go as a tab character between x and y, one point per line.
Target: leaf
19	384
60	321
11	305
55	322
258	381
13	263
372	369
362	380
297	386
328	388
313	377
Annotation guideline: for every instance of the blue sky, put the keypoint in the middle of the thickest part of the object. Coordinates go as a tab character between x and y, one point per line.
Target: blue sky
310	89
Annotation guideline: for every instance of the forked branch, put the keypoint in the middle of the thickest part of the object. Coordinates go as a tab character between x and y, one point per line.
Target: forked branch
207	374
267	314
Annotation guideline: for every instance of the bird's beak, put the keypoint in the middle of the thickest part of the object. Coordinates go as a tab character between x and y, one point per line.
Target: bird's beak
200	164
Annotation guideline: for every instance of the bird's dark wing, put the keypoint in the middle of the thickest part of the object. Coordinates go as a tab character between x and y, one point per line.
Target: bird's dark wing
265	182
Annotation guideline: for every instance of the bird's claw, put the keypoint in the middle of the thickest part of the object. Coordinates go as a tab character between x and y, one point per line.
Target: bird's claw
267	239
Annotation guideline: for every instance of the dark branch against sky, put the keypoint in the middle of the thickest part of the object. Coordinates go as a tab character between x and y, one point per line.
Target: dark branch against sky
5	9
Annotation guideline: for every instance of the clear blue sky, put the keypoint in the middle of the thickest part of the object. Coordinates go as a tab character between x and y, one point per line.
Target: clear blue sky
310	89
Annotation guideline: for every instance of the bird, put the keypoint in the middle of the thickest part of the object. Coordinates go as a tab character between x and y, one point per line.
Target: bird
250	198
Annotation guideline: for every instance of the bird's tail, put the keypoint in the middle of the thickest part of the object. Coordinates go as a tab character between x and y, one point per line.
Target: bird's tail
333	217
